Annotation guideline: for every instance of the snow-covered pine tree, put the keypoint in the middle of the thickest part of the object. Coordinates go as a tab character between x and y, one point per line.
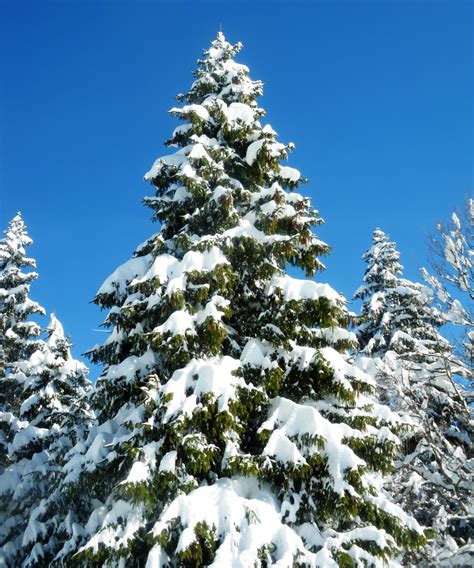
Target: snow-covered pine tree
415	369
53	416
383	269
18	339
18	333
232	430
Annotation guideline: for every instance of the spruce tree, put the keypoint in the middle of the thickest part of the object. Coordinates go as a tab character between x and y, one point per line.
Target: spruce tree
416	369
233	430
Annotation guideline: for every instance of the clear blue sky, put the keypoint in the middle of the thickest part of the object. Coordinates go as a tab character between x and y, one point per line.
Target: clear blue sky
377	97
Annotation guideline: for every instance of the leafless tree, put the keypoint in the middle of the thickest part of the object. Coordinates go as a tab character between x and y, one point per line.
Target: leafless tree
451	258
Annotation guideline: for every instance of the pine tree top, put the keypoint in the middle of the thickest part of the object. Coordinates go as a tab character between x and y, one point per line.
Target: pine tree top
12	246
220	77
383	265
396	312
16	329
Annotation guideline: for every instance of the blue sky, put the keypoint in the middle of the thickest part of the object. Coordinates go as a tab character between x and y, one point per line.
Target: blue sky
377	97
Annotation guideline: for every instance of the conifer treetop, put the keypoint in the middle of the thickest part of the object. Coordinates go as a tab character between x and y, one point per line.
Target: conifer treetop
220	77
383	265
395	310
226	179
12	247
17	332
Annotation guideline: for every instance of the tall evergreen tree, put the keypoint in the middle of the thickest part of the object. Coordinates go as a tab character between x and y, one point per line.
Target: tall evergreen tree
232	430
415	370
383	270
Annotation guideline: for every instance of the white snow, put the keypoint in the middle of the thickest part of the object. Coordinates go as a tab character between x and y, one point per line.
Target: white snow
291	174
198	110
177	324
298	289
120	278
219	191
130	366
176	160
283	449
280	211
245	516
267	129
256	354
139	472
145	464
114	527
168	268
293	420
342	369
168	461
198	152
335	334
253	150
202	377
211	309
239	112
181	321
246	228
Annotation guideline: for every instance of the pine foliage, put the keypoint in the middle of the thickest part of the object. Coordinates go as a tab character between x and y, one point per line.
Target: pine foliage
380	280
17	331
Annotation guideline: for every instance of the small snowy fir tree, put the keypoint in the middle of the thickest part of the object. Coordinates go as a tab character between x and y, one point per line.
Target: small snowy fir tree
232	429
415	368
18	340
18	334
383	270
17	331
